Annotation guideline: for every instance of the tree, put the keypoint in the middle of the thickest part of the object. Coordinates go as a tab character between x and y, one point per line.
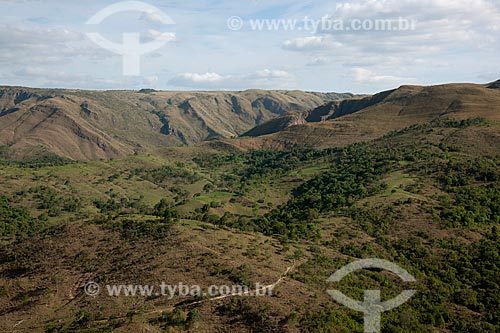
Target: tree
164	211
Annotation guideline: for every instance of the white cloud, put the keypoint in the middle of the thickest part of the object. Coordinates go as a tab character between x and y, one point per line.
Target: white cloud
448	39
27	35
152	17
45	77
51	77
310	43
319	61
267	73
36	44
366	76
162	36
265	78
441	24
151	81
188	78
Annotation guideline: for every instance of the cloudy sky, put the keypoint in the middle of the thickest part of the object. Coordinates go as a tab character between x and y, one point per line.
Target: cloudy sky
235	44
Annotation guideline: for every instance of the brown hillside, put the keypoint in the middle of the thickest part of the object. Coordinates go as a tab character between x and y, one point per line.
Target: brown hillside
87	125
344	122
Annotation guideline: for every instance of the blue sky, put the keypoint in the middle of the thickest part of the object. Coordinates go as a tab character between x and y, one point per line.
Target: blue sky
44	44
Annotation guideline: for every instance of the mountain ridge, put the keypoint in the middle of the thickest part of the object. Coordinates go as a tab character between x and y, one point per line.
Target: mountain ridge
343	122
89	124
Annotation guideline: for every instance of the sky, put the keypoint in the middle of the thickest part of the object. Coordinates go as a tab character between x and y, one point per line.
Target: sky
335	46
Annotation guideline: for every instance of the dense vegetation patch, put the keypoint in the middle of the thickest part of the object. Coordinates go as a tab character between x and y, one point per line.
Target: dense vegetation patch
15	220
39	160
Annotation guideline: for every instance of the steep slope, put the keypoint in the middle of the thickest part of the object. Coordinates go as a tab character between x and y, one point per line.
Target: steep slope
343	122
494	85
55	122
87	125
277	124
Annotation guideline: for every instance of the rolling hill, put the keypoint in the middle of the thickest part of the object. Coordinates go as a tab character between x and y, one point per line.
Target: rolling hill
348	121
426	197
89	125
